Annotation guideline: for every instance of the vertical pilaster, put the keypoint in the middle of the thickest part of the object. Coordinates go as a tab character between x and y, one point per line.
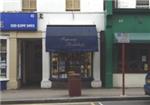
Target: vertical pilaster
45	83
108	59
109	6
12	83
96	67
108	45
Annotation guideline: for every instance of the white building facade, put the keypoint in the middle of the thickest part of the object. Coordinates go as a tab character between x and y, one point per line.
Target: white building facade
55	13
26	55
15	44
50	12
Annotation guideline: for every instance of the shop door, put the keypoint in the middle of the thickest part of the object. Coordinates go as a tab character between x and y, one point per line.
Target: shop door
32	62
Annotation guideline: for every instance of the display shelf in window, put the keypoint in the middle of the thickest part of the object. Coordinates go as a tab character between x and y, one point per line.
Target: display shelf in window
63	63
58	69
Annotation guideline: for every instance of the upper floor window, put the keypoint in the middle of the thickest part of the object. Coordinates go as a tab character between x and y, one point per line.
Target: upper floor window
72	5
142	3
28	5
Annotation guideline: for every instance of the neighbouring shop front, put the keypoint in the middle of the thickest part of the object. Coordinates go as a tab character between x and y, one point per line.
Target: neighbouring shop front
71	49
20	50
131	26
137	52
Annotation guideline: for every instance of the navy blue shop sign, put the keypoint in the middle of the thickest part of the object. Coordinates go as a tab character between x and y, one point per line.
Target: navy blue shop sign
18	21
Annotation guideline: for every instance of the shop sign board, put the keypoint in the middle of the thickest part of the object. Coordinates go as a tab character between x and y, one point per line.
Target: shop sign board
122	37
18	21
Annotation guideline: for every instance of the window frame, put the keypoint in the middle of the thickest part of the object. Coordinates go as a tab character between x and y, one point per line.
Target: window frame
141	5
29	8
73	7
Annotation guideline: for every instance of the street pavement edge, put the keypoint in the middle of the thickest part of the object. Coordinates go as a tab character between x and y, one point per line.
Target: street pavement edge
74	99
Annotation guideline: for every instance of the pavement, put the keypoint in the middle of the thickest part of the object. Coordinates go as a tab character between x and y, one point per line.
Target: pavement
62	95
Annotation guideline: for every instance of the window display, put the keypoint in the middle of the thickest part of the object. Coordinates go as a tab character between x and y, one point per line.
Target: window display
64	63
3	59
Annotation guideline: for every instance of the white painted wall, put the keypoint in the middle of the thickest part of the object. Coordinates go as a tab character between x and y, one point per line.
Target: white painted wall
72	19
131	80
92	5
60	5
51	5
1	5
10	5
54	13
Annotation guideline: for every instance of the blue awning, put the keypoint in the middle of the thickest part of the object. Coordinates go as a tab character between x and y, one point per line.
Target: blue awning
71	38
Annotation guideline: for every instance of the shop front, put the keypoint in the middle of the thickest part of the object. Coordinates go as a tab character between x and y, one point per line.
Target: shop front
136	57
71	49
20	47
137	50
127	48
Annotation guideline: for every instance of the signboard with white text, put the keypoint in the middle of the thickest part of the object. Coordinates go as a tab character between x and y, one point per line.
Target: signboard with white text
18	21
122	37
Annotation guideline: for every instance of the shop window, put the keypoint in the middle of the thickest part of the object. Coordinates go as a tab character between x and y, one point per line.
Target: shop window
64	63
142	3
29	5
3	58
72	5
136	59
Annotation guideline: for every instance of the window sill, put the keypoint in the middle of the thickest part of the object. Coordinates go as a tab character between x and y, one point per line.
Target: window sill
4	79
65	79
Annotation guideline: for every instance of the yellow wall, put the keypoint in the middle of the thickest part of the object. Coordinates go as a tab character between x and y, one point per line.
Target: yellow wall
12	83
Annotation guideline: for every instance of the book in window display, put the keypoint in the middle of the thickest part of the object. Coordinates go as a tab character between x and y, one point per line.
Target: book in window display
62	64
54	67
62	68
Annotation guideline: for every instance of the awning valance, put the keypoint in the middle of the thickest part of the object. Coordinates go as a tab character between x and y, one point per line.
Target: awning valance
132	37
71	38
